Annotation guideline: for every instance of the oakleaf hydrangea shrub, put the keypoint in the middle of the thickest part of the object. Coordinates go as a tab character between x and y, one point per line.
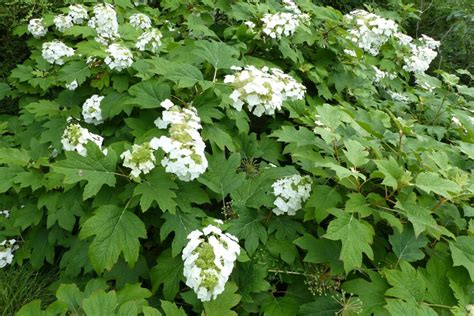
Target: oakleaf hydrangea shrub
238	157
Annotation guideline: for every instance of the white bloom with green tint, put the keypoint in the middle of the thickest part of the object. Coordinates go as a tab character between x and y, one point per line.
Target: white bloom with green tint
140	159
54	52
209	260
263	90
91	110
119	57
62	22
184	147
140	21
105	23
7	247
78	13
149	40
76	137
37	28
291	192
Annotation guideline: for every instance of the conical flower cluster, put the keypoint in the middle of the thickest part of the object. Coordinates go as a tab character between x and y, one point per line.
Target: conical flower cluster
263	90
285	23
184	147
209	260
291	192
7	247
140	159
76	137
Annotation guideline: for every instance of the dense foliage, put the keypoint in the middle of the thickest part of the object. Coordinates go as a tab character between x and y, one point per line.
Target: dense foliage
238	157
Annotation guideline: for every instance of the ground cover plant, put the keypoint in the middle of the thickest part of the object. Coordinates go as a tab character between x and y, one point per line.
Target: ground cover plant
237	157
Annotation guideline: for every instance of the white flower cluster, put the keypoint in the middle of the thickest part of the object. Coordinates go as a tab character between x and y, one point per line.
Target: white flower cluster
78	13
7	247
72	85
76	137
5	213
290	193
184	148
91	110
370	31
422	54
150	39
209	260
263	90
399	97
105	23
55	51
380	75
37	28
283	23
118	57
140	21
62	22
140	159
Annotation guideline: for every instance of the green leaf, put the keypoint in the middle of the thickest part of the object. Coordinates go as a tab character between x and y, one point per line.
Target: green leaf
356	236
432	182
157	186
462	252
75	70
370	293
321	306
150	311
251	279
185	75
407	283
355	153
31	309
224	302
318	250
97	169
394	175
149	94
289	134
116	231
399	307
169	272
100	303
4	90
406	245
171	309
221	176
219	55
70	295
323	198
181	224
280	306
14	156
249	227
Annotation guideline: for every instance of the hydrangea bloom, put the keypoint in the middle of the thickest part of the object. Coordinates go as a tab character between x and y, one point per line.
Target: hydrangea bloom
380	75
5	213
76	137
119	57
62	22
263	90
209	260
290	193
91	110
396	96
140	21
184	148
78	13
37	28
105	23
422	54
55	51
370	31
7	247
72	85
283	23
149	39
140	159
